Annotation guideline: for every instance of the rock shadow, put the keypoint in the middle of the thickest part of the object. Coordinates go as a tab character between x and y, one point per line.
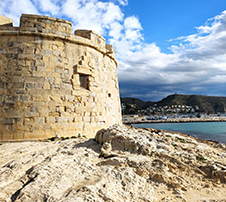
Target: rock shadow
91	144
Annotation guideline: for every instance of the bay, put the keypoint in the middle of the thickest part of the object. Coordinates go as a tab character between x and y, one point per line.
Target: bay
215	131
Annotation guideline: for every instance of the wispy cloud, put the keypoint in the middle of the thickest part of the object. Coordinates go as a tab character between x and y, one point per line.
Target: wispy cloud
123	2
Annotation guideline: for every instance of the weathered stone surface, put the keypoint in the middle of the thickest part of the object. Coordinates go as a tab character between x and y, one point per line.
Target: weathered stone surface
43	65
4	21
129	164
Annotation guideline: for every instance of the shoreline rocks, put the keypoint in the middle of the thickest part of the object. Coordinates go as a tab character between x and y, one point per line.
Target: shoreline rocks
122	163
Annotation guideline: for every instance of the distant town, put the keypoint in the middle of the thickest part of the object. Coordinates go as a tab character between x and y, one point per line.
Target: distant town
135	110
173	110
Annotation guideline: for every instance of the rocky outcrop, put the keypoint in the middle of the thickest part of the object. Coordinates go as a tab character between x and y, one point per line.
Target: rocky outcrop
121	164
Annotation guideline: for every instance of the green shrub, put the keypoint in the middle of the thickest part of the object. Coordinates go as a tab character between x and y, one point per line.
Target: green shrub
181	140
198	115
200	158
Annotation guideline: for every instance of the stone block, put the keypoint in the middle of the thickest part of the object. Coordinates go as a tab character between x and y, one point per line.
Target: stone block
43	111
24	98
61	119
8	121
50	120
33	79
50	133
22	91
66	86
16	79
39	120
48	52
18	85
28	121
58	80
70	119
34	85
64	113
7	135
86	119
18	135
38	57
38	73
31	114
37	134
54	114
46	86
2	85
80	92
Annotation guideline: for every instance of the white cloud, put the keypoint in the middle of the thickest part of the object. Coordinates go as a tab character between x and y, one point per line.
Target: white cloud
48	6
92	14
115	30
199	60
132	23
14	8
112	14
123	2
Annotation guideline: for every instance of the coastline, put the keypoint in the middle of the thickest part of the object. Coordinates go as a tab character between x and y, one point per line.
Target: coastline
179	120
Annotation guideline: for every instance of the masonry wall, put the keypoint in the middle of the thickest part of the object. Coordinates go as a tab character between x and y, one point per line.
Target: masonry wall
55	82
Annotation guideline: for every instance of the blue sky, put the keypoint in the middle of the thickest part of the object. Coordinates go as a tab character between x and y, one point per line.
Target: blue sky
163	20
163	46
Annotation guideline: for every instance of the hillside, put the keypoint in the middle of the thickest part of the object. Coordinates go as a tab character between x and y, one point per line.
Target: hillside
207	104
133	105
140	103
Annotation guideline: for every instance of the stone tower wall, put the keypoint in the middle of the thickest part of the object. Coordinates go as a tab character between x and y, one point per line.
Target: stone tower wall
53	82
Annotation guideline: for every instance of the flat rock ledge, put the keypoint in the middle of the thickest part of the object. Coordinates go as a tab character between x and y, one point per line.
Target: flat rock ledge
121	164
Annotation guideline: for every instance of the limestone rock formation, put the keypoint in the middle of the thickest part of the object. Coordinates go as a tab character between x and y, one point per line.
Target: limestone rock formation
120	164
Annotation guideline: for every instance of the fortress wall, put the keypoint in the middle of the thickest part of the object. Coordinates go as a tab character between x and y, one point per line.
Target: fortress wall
53	82
45	24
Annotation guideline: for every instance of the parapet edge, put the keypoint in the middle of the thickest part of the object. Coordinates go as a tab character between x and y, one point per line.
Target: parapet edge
5	21
46	26
44	17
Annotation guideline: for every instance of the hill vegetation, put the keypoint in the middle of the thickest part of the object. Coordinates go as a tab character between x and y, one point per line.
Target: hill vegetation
204	104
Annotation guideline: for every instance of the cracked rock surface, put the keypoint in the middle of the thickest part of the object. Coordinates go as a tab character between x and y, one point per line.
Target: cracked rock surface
120	164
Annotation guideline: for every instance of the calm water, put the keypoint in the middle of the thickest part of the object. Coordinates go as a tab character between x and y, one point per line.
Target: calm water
215	131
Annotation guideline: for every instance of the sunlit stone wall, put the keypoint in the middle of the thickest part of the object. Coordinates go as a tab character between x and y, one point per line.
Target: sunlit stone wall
53	82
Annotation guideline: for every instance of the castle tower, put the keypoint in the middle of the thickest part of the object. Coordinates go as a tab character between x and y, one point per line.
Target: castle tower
53	82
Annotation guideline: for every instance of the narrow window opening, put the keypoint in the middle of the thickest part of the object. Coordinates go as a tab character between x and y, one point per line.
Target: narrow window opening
75	69
84	81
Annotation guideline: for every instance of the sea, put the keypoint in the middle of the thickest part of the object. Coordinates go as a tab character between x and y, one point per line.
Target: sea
214	131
